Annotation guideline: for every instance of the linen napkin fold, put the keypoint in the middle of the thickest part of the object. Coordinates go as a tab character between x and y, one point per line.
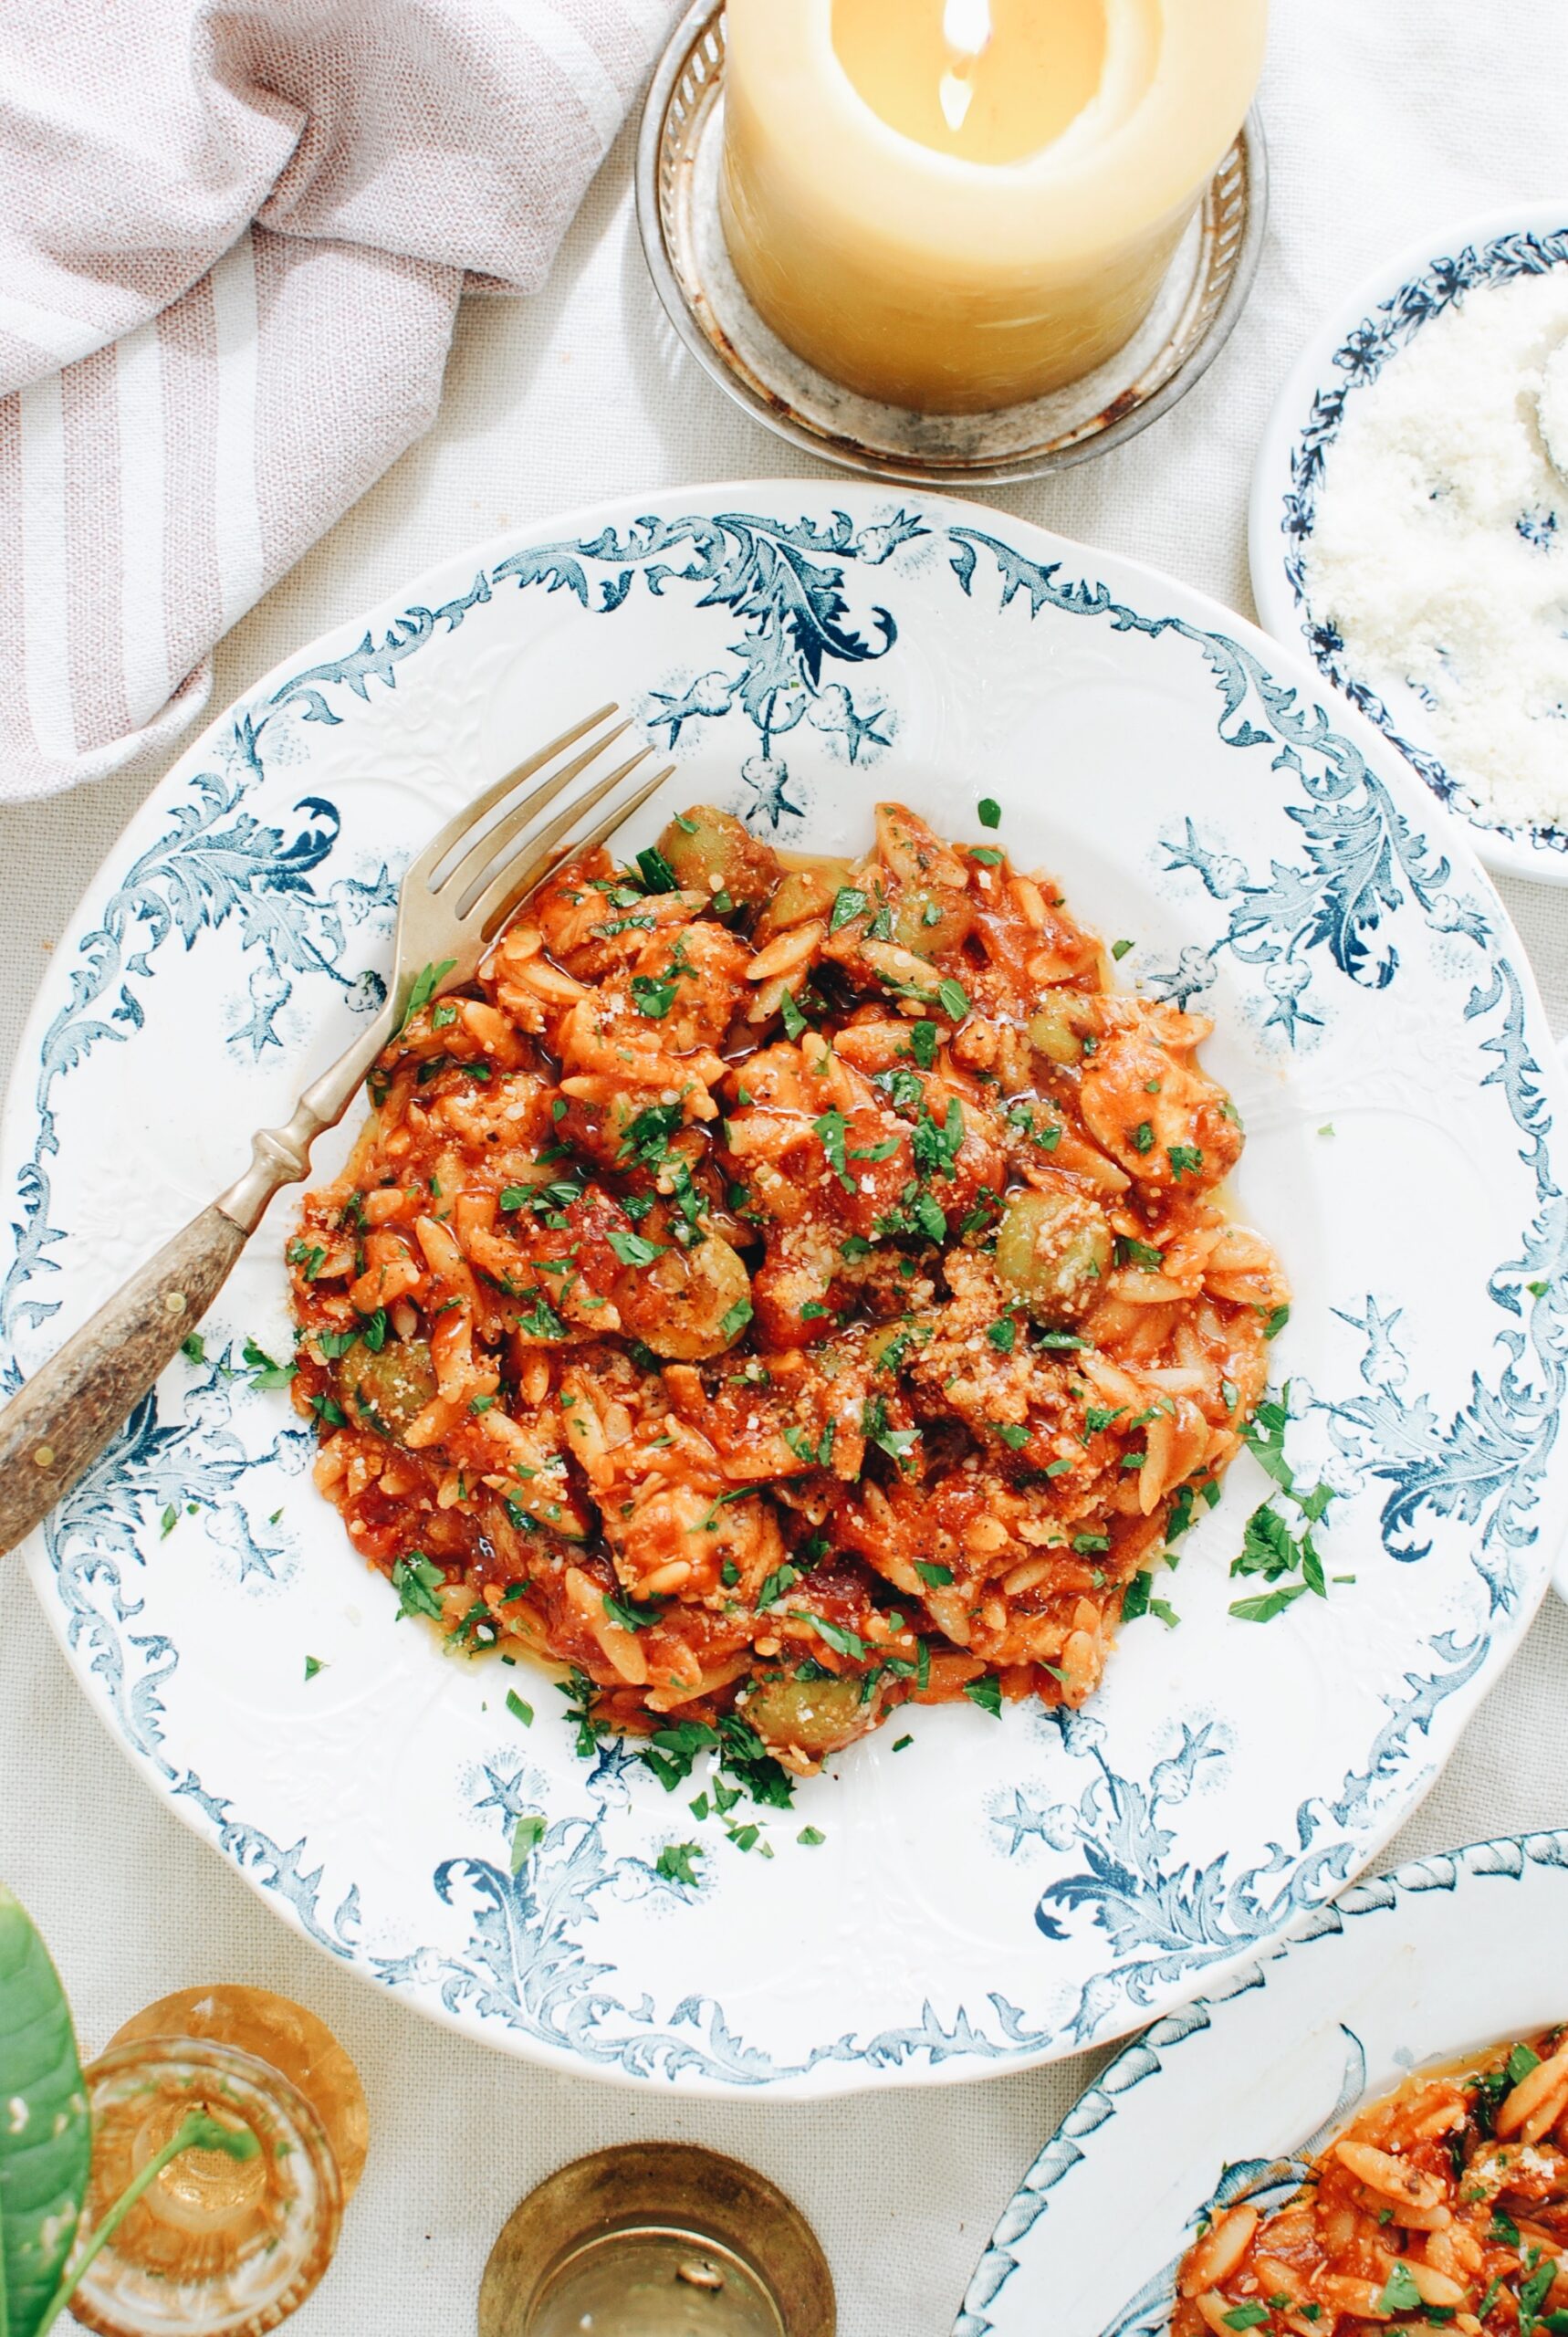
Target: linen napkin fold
233	234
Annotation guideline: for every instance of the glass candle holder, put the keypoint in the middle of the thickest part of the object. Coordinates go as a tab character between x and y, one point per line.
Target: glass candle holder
217	2246
288	2038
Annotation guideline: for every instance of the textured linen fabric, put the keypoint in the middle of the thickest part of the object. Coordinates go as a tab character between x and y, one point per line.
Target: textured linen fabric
233	235
1386	117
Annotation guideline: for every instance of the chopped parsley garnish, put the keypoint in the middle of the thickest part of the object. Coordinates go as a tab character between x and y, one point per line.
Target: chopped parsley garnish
581	1694
416	1582
651	998
936	1576
735	1318
1014	1438
674	1862
541	1319
953	999
794	1020
1271	1545
657	874
1120	949
1143	1138
1272	1603
519	1710
194	1348
1185	1160
989	811
831	1130
896	1442
313	1664
426	982
1399	2292
798	1440
673	1752
1278	1318
647	1138
812	1836
630	1614
1003	1333
847	904
635	1249
923	1037
526	1834
843	1642
1246	2316
986	1693
775	1584
1138	1254
265	1373
936	1149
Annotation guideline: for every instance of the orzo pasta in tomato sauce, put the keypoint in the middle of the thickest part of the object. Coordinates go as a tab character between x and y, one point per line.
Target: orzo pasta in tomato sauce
784	1290
1444	2207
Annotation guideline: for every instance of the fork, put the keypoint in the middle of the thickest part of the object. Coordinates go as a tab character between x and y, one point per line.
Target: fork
455	899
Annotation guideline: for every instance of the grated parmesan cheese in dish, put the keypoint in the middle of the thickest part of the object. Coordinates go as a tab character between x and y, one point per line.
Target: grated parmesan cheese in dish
1440	549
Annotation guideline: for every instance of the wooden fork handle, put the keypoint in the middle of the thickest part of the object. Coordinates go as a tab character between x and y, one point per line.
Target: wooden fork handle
58	1424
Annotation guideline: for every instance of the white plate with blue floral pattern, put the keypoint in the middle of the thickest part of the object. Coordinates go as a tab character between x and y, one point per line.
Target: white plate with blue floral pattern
1376	322
1003	1891
1229	2099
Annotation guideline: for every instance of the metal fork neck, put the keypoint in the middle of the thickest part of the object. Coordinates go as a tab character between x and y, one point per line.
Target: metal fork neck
281	1156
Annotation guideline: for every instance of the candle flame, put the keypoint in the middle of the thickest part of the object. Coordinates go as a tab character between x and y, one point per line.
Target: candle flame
967	26
955	97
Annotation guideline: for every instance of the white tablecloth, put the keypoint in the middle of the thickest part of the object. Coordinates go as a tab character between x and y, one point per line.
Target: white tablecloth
1386	117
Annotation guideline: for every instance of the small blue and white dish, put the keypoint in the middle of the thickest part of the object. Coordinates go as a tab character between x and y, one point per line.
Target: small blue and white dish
1229	2099
1376	324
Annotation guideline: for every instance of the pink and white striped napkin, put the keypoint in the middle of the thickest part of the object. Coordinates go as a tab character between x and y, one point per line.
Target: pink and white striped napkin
233	234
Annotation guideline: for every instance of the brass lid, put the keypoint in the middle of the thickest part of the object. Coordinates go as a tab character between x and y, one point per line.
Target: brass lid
655	2193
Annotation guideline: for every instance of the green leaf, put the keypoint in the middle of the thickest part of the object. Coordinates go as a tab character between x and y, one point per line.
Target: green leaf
845	1643
1400	2293
416	1582
426	982
987	1694
46	2135
265	1372
1263	1610
989	811
526	1834
635	1249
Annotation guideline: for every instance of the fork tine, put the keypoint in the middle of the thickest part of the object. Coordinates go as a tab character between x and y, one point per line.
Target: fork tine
458	826
468	880
513	885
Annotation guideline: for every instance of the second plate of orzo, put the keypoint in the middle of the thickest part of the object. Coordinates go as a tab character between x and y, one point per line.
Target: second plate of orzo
986	1882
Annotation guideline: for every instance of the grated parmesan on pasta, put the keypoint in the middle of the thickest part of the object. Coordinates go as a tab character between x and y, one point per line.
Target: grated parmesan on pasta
1440	549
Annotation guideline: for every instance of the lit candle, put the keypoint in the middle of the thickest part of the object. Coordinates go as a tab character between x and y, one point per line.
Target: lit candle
956	205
